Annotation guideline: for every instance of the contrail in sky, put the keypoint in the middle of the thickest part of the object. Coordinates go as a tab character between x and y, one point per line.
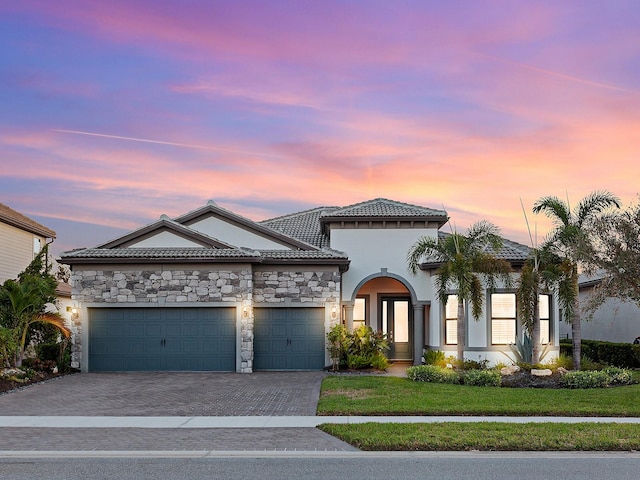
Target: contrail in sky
174	144
591	83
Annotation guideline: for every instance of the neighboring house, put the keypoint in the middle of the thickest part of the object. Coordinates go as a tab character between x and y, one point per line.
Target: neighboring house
613	321
211	290
21	239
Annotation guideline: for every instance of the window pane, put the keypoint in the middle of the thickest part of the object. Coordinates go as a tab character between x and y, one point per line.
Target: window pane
544	332
451	310
401	321
384	317
358	310
543	306
503	331
503	305
451	332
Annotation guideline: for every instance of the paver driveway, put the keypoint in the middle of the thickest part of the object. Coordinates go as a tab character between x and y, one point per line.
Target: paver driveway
169	394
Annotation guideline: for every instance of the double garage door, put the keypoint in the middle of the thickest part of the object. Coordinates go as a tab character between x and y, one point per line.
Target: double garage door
202	339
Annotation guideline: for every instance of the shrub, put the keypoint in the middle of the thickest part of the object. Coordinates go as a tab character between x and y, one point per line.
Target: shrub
623	355
433	357
358	349
356	362
618	376
433	374
473	365
586	379
40	365
49	351
482	378
379	361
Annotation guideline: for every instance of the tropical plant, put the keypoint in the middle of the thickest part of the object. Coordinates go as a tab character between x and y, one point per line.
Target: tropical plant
23	303
459	261
433	374
360	348
570	241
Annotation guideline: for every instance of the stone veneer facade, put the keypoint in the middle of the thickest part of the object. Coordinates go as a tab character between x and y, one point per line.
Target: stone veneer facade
241	286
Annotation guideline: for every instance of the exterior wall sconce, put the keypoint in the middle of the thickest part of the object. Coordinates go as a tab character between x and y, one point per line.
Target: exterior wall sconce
246	311
334	311
73	310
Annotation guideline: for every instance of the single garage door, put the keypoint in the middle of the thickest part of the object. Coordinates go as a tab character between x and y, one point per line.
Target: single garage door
289	339
162	339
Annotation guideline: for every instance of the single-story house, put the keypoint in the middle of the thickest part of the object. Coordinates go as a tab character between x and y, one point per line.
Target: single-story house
614	321
212	290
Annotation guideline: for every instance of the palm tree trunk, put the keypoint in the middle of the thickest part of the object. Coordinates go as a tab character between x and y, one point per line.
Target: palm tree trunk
461	331
576	333
535	331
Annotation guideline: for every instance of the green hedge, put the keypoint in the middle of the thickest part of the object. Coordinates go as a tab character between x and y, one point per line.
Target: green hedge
623	355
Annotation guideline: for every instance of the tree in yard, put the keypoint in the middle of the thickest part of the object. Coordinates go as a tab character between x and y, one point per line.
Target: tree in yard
617	257
23	303
543	271
571	241
463	261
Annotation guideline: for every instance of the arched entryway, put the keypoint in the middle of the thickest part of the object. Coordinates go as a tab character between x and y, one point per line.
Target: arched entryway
388	304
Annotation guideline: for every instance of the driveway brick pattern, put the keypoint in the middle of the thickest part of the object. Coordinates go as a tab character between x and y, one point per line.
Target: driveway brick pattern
169	394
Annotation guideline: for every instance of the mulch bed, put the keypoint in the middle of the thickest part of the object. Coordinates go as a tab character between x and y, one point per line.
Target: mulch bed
526	380
7	385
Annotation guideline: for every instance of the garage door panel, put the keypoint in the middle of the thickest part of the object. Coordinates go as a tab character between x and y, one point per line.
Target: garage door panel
155	339
289	339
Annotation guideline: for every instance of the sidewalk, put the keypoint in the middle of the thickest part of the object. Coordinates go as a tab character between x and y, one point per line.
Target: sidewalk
271	421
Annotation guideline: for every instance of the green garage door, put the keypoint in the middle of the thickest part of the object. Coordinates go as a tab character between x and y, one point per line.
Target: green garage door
289	339
162	339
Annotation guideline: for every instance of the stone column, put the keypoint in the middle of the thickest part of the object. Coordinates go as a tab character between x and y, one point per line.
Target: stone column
418	333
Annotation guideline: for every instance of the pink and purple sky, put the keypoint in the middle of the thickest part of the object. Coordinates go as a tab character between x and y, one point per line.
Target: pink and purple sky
115	112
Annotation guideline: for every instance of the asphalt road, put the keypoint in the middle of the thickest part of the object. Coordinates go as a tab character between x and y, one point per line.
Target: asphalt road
355	466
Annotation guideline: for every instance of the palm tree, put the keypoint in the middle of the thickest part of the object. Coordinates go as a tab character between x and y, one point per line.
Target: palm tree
570	241
460	260
23	303
542	271
22	307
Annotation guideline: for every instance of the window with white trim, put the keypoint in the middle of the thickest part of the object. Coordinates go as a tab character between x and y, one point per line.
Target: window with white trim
503	318
451	320
545	318
359	312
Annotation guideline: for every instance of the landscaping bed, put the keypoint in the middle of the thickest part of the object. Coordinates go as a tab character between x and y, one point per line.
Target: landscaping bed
7	385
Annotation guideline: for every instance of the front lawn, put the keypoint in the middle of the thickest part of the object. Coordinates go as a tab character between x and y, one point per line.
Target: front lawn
371	395
488	436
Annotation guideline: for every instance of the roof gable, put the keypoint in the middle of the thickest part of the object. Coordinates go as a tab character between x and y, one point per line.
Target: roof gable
16	219
211	218
165	233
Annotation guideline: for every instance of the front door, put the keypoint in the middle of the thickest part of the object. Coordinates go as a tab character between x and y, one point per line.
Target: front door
397	324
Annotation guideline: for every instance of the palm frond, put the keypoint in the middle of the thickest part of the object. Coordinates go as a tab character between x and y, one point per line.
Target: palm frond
593	204
554	208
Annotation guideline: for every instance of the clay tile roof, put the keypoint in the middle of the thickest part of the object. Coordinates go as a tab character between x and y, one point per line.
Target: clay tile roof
382	207
304	226
16	219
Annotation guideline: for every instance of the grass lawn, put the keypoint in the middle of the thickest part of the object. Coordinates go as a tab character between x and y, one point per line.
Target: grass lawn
488	436
370	395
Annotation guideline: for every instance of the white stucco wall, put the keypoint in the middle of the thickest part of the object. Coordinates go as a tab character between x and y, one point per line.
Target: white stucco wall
371	250
234	235
614	321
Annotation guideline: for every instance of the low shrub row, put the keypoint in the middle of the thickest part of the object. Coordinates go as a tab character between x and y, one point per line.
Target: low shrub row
610	376
436	374
623	355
